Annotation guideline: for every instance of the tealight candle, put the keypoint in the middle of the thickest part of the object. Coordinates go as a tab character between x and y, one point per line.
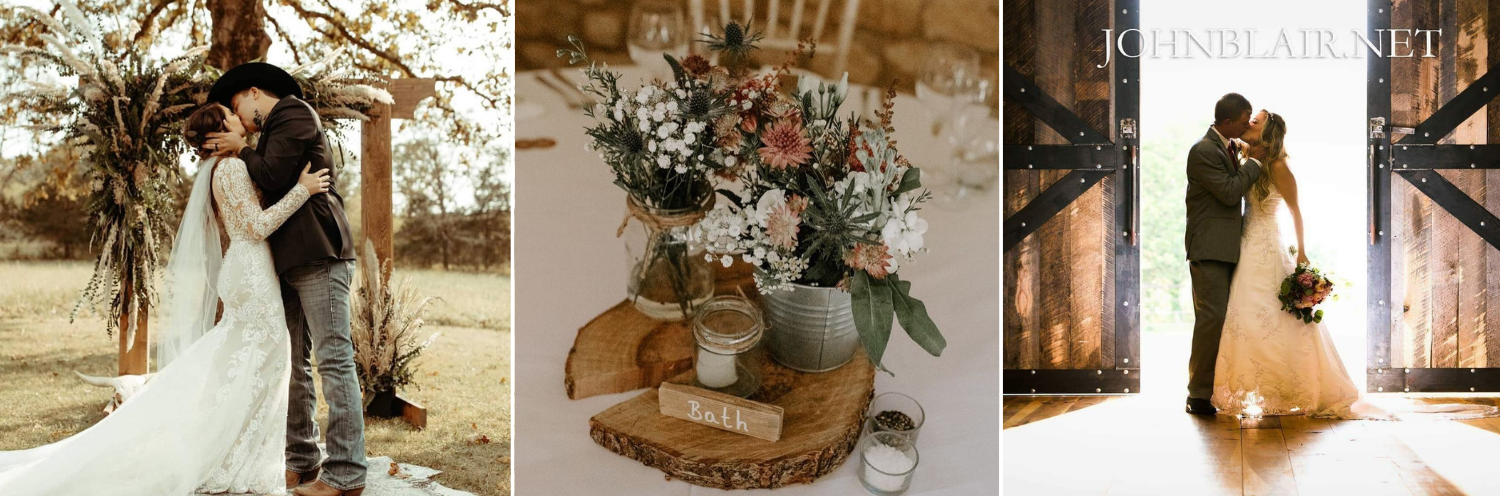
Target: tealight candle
728	330
715	370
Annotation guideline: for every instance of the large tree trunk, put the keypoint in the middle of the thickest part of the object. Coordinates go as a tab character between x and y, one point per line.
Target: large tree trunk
239	33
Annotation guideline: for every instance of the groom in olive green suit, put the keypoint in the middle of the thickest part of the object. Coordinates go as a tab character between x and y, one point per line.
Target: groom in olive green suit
1217	181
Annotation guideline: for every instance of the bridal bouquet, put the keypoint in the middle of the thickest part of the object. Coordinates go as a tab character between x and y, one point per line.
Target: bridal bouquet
825	201
1303	290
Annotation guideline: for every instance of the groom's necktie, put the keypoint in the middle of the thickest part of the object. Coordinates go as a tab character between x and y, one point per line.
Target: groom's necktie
1233	158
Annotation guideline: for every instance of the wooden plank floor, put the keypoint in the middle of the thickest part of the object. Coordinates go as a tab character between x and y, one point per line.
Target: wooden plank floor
1148	445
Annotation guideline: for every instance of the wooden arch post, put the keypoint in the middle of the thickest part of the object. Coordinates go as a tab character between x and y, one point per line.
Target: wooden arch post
375	190
133	352
375	162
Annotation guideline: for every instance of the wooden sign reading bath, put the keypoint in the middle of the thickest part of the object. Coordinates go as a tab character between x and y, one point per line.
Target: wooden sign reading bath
721	411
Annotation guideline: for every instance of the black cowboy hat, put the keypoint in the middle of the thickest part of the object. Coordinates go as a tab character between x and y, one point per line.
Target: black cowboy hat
254	74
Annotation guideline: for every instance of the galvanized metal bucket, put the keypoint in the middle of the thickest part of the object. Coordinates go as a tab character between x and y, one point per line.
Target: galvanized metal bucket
812	328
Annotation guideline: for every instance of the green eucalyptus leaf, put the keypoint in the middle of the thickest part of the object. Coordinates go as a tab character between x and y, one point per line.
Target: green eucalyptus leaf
913	316
910	181
873	315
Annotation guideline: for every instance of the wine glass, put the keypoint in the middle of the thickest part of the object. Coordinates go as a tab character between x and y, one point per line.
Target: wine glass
952	88
657	27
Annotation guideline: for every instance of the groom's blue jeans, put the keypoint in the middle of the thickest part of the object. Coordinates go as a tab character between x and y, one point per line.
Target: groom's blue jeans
316	297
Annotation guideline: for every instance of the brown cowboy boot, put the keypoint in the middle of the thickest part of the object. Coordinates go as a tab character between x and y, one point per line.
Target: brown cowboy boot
294	479
320	488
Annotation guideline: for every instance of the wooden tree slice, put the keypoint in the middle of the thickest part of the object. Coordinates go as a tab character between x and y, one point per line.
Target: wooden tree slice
624	350
821	424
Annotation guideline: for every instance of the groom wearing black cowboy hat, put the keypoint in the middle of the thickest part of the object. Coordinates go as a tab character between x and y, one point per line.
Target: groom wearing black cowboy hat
314	257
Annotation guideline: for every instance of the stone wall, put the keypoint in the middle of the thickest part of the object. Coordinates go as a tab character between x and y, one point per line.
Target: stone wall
889	39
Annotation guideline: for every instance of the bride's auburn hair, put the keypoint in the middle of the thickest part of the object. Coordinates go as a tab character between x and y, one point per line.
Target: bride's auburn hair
1273	137
209	118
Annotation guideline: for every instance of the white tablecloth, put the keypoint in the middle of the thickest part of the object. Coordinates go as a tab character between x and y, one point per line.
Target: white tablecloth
570	267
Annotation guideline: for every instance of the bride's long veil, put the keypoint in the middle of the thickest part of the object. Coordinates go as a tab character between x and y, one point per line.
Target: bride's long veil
192	272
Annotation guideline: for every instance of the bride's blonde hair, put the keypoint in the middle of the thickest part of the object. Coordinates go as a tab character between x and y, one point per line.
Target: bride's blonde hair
1273	137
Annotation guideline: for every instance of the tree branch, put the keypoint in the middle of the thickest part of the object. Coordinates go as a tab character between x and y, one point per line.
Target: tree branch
195	34
494	102
296	55
16	35
367	46
308	16
478	6
146	24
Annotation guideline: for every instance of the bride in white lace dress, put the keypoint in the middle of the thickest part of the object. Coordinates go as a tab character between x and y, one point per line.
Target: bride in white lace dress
213	419
1268	357
1271	362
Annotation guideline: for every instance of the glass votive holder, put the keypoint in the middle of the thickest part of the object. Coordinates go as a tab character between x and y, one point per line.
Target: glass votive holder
896	413
887	461
729	356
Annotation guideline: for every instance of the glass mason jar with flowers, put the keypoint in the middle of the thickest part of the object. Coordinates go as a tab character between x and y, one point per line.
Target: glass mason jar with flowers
827	212
661	143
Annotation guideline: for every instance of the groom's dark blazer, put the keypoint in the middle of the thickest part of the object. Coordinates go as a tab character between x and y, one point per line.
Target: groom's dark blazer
1217	183
290	138
1216	188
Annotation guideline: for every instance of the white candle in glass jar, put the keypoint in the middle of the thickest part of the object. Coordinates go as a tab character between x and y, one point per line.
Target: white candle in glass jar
715	370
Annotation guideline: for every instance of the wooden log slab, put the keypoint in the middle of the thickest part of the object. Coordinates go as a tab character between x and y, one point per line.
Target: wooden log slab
413	412
823	413
624	350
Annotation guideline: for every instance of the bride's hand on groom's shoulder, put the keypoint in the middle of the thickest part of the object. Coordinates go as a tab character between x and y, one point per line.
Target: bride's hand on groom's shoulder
315	182
1257	151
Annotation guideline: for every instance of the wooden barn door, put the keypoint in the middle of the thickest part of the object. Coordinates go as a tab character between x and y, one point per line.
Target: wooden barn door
1434	184
1071	244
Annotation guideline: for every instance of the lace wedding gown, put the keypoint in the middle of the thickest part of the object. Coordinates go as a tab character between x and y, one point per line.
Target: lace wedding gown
213	421
1271	363
1269	358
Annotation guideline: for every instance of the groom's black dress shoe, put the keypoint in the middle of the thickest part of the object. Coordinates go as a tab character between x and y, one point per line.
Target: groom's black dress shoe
1199	406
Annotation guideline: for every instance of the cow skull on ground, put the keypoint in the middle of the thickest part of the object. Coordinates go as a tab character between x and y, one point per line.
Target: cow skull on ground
125	386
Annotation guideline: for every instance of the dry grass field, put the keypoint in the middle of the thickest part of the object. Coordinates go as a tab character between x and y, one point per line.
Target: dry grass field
464	377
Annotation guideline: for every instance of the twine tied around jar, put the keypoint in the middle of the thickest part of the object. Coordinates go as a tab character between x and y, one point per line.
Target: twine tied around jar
658	222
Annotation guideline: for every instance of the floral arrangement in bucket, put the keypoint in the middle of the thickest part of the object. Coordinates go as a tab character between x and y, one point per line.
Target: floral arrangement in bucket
662	143
826	201
386	321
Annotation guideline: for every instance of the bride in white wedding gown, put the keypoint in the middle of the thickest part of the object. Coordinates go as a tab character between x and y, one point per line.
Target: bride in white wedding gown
1270	362
1268	358
213	419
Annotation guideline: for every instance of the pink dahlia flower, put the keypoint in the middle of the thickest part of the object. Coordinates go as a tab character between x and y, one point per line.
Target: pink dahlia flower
785	145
